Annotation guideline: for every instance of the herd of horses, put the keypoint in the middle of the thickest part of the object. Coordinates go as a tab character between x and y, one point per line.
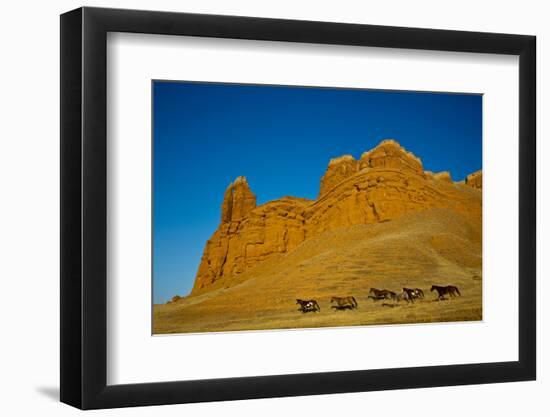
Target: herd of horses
408	295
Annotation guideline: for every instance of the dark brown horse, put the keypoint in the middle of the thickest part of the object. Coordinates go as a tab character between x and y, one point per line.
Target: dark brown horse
377	294
308	305
344	302
451	290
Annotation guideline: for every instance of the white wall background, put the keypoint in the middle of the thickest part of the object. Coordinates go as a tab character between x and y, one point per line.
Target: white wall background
29	213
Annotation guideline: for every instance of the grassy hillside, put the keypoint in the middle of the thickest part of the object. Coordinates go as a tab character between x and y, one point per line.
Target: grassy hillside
434	246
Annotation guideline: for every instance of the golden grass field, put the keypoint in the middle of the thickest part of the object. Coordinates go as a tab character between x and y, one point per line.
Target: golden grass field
434	246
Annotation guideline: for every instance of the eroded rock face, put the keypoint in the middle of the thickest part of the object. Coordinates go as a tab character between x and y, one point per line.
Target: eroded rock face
390	154
243	242
384	184
474	180
338	170
380	194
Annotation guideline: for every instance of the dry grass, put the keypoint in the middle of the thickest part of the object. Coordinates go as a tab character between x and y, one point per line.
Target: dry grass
434	246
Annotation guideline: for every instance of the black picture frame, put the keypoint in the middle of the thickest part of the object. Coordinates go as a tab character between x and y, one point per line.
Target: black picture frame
84	207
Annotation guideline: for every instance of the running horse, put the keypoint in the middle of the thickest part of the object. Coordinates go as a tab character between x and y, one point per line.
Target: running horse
343	303
377	294
442	291
308	305
418	293
403	296
413	293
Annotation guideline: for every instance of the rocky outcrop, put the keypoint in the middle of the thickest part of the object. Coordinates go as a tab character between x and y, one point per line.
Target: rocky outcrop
382	185
338	170
391	155
238	200
388	154
242	242
443	176
474	180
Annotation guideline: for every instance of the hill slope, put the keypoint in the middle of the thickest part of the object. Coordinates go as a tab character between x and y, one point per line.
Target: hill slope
431	246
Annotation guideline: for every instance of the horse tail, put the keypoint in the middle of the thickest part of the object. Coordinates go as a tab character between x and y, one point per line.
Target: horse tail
458	291
354	301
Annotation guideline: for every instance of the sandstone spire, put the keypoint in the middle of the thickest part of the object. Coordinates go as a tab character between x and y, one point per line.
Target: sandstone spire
238	200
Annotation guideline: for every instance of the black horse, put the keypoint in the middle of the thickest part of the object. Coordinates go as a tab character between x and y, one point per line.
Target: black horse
453	291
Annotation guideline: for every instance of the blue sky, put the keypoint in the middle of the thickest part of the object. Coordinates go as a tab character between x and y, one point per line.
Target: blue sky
281	138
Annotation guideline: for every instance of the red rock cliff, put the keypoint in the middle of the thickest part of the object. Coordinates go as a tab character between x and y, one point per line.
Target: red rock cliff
382	185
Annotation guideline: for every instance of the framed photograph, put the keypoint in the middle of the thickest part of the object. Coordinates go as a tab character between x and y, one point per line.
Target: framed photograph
257	208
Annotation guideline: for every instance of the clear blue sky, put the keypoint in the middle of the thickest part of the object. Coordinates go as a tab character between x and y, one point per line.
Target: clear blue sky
281	139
